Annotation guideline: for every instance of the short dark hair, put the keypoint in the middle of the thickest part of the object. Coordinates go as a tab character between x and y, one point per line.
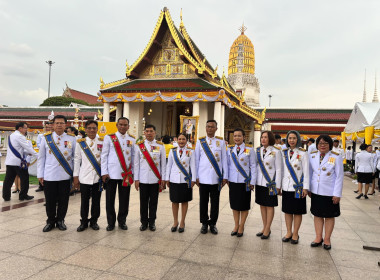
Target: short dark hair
214	121
363	146
166	139
376	148
82	133
311	140
122	118
20	124
349	148
271	138
150	126
59	117
73	129
90	122
277	136
336	141
241	130
326	138
48	123
181	134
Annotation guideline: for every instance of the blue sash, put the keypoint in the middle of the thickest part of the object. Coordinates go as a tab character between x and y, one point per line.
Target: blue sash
241	170
92	159
271	184
24	164
182	168
298	186
212	160
58	155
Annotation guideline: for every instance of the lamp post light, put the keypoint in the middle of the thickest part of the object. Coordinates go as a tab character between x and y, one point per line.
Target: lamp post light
270	98
50	64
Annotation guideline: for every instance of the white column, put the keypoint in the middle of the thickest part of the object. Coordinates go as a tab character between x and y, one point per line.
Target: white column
126	110
106	112
195	108
222	113
217	115
257	136
119	108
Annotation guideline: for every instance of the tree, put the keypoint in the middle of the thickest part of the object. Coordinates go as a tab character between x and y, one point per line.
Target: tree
62	101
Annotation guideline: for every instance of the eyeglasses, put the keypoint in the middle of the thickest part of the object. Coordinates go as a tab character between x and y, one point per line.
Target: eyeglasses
92	128
323	143
59	123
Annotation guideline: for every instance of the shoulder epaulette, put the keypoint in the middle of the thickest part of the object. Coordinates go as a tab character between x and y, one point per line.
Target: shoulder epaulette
218	137
202	137
302	149
314	152
139	141
285	149
81	140
130	135
101	138
159	143
248	145
47	133
278	148
190	148
335	153
71	134
229	146
174	148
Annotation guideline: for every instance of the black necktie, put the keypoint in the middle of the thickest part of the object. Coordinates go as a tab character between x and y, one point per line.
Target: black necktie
180	152
291	153
238	150
264	152
321	158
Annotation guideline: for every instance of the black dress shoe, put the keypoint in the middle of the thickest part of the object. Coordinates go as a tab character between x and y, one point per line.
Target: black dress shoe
239	234
293	241
286	239
266	236
259	234
181	229
61	225
204	229
123	226
48	227
94	226
316	244
233	233
359	196
27	197
7	199
356	191
152	227
16	191
213	229
39	190
371	193
143	227
174	229
365	196
110	227
326	247
82	227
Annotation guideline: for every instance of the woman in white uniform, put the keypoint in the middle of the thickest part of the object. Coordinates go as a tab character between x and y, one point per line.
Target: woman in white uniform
180	178
295	185
364	169
326	184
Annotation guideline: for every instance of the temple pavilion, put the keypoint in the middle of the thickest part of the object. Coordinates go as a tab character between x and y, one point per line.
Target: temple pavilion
172	78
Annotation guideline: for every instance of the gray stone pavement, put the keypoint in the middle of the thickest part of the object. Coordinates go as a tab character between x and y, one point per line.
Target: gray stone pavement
28	253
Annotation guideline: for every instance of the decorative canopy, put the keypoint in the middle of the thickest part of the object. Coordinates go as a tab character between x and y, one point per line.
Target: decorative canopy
363	115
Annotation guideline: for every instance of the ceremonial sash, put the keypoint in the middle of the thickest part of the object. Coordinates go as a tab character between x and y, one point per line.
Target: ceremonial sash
298	186
127	171
58	155
212	160
182	168
241	170
150	161
92	159
24	164
271	184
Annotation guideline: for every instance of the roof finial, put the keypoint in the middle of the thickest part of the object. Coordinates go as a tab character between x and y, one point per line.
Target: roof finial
242	29
364	92
375	97
181	24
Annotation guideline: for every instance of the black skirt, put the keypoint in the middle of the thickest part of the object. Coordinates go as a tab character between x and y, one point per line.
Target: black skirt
240	198
365	178
322	206
180	193
292	205
263	198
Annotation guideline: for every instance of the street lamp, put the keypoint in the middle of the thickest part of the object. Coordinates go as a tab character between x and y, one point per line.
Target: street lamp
270	98
50	64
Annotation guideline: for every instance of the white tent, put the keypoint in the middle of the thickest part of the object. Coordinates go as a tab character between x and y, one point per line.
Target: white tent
362	116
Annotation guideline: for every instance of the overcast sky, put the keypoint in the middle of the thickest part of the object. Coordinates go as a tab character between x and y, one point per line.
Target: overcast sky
308	53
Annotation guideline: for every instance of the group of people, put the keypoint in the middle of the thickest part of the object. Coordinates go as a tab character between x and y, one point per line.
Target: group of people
93	164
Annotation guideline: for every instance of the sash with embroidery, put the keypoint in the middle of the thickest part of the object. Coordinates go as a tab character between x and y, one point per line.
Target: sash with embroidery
298	186
58	155
127	171
241	170
150	161
90	156
24	164
182	168
271	183
212	160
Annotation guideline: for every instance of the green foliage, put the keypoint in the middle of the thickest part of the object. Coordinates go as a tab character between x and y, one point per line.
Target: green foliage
62	101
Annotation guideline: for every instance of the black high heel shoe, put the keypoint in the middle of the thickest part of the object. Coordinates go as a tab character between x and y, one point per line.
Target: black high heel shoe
16	191
316	244
266	236
233	233
174	229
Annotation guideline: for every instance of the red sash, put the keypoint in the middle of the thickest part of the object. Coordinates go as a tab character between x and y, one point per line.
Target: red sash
150	161
127	171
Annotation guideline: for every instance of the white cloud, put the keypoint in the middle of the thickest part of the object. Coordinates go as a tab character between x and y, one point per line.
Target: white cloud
18	49
27	97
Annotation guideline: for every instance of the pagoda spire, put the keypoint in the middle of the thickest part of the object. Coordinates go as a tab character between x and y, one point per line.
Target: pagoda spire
364	92
243	29
375	97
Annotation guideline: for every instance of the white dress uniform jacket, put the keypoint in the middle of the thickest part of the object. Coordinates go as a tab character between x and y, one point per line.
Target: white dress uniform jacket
326	178
142	171
312	148
300	164
173	173
205	171
365	162
246	159
110	163
273	164
349	154
339	151
82	166
48	166
39	139
20	143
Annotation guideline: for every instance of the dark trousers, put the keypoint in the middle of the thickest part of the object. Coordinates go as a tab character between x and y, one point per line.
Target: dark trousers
10	175
206	192
87	192
148	201
56	192
123	202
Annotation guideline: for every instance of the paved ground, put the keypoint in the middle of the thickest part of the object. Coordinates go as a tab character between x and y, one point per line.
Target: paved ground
28	253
